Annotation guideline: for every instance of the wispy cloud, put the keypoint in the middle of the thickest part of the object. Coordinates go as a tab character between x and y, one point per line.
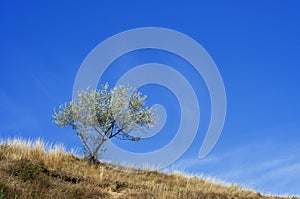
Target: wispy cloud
255	166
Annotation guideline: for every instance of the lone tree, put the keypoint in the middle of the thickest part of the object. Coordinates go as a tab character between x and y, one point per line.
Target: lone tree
99	115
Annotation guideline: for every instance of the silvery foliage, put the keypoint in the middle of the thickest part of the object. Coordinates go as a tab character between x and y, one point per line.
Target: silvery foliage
99	115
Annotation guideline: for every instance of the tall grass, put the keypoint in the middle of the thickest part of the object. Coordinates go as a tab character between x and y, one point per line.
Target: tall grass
36	169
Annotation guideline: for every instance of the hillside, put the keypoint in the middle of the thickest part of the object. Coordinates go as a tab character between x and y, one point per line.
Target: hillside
27	170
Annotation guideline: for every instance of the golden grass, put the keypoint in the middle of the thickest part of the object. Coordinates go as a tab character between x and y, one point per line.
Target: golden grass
33	169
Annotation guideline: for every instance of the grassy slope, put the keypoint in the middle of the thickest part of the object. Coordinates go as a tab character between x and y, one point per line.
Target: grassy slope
28	171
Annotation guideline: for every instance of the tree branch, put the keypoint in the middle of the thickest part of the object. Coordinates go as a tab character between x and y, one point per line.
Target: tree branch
111	128
85	143
113	135
129	137
98	131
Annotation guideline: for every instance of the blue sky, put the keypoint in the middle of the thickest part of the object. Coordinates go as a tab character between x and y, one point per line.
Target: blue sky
255	45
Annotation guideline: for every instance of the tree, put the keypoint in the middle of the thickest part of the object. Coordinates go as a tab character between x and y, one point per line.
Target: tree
100	115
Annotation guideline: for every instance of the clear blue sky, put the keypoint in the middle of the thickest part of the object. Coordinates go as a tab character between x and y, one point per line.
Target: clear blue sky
255	44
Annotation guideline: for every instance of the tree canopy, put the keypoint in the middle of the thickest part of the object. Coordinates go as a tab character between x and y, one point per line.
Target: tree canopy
99	115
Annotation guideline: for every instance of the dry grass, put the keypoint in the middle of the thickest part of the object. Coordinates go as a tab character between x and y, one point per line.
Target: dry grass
28	170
